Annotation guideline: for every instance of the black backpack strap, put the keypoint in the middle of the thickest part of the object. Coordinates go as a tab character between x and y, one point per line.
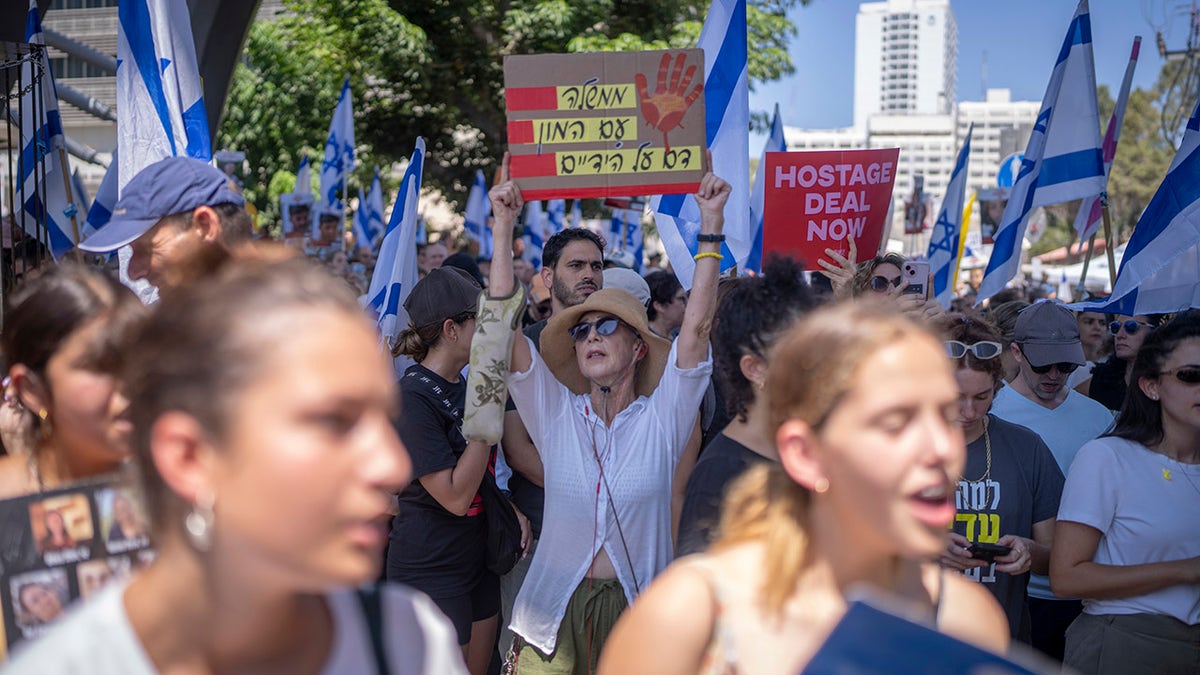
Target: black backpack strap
372	606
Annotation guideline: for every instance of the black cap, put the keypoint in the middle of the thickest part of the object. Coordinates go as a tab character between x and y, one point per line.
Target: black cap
444	293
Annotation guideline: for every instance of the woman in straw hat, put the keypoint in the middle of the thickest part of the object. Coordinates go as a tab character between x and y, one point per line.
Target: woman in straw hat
610	407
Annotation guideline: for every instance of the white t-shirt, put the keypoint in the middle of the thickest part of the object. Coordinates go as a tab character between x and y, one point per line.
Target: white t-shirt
1122	489
639	454
97	639
1077	420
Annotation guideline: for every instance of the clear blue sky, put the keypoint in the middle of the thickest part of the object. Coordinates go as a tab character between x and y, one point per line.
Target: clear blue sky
1021	38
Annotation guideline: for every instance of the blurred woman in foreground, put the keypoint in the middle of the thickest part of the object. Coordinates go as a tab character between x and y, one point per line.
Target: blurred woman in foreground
261	405
863	497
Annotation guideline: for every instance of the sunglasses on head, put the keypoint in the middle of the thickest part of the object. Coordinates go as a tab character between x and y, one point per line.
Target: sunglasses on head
605	327
1189	374
1131	327
881	283
982	350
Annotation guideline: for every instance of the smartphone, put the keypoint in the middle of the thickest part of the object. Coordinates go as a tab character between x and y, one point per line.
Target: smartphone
916	273
988	552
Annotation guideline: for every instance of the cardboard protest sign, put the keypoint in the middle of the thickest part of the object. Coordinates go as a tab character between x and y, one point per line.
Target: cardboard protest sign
62	545
606	124
815	200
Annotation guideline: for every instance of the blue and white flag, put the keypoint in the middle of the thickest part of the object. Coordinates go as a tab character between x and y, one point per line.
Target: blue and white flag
534	236
775	143
359	223
106	198
1063	160
1090	214
42	193
478	210
556	217
339	152
576	214
373	218
946	238
626	236
727	122
1158	272
303	178
159	92
396	267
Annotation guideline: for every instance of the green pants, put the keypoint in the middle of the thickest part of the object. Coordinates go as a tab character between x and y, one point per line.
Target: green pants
591	614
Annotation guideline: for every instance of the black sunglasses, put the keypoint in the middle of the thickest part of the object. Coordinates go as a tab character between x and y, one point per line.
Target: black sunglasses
1064	368
881	283
982	350
605	327
1131	327
1189	374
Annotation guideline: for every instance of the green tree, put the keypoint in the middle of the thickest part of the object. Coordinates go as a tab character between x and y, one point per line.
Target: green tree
433	68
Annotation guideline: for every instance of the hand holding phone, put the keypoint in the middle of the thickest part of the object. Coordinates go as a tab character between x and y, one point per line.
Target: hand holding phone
988	552
916	274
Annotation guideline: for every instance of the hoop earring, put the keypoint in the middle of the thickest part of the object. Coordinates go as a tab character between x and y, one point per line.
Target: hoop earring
821	485
199	522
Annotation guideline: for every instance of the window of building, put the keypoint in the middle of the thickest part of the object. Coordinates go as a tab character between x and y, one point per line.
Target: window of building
83	4
75	68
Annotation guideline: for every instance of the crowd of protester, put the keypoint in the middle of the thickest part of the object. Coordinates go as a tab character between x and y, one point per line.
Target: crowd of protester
700	479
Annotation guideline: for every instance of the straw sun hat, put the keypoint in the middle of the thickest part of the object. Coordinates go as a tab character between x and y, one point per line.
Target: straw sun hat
558	348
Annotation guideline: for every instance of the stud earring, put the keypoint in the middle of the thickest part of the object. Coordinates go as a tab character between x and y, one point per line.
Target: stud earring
821	485
43	414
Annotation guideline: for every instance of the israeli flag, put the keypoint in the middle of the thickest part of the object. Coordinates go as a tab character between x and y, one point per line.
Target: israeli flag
626	228
577	213
946	239
339	152
1063	160
479	209
775	143
534	236
159	92
556	218
106	198
1158	272
727	122
396	267
1090	214
373	218
42	193
359	225
303	178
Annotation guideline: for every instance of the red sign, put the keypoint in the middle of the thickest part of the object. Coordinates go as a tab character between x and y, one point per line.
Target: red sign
815	200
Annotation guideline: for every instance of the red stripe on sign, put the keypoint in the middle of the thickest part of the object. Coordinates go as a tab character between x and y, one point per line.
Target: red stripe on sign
531	98
520	131
609	191
531	166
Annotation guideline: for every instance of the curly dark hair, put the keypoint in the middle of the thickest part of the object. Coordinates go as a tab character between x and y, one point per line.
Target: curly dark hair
553	248
750	317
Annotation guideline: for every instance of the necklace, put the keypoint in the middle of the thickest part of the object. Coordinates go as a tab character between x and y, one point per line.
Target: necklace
987	444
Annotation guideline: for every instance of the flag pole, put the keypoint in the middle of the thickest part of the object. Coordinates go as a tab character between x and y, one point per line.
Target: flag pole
345	208
62	163
1087	261
1109	244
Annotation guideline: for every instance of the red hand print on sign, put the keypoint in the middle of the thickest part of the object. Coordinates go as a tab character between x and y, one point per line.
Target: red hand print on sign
664	110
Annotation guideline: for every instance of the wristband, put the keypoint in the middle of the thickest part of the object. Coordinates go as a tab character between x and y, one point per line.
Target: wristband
710	238
709	254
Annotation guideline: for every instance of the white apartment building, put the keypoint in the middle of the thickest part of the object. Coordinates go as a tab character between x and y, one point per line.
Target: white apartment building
1002	127
905	59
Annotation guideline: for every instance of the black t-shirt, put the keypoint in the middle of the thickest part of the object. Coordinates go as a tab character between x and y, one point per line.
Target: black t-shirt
1108	383
432	549
1023	488
529	497
720	464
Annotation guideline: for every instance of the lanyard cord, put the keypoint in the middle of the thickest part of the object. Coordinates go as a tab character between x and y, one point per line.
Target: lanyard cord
603	481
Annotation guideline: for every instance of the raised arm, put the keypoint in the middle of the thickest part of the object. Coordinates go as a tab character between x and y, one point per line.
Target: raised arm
506	208
692	346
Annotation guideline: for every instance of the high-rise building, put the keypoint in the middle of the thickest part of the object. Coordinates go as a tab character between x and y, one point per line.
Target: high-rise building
905	59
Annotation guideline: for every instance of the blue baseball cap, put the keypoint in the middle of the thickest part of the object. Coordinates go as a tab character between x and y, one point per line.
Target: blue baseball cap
165	188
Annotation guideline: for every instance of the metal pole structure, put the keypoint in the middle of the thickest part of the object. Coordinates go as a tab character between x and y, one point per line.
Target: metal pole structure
72	211
345	208
1109	242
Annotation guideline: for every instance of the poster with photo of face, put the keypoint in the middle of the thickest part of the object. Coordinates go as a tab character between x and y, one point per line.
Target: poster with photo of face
296	210
992	203
65	545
